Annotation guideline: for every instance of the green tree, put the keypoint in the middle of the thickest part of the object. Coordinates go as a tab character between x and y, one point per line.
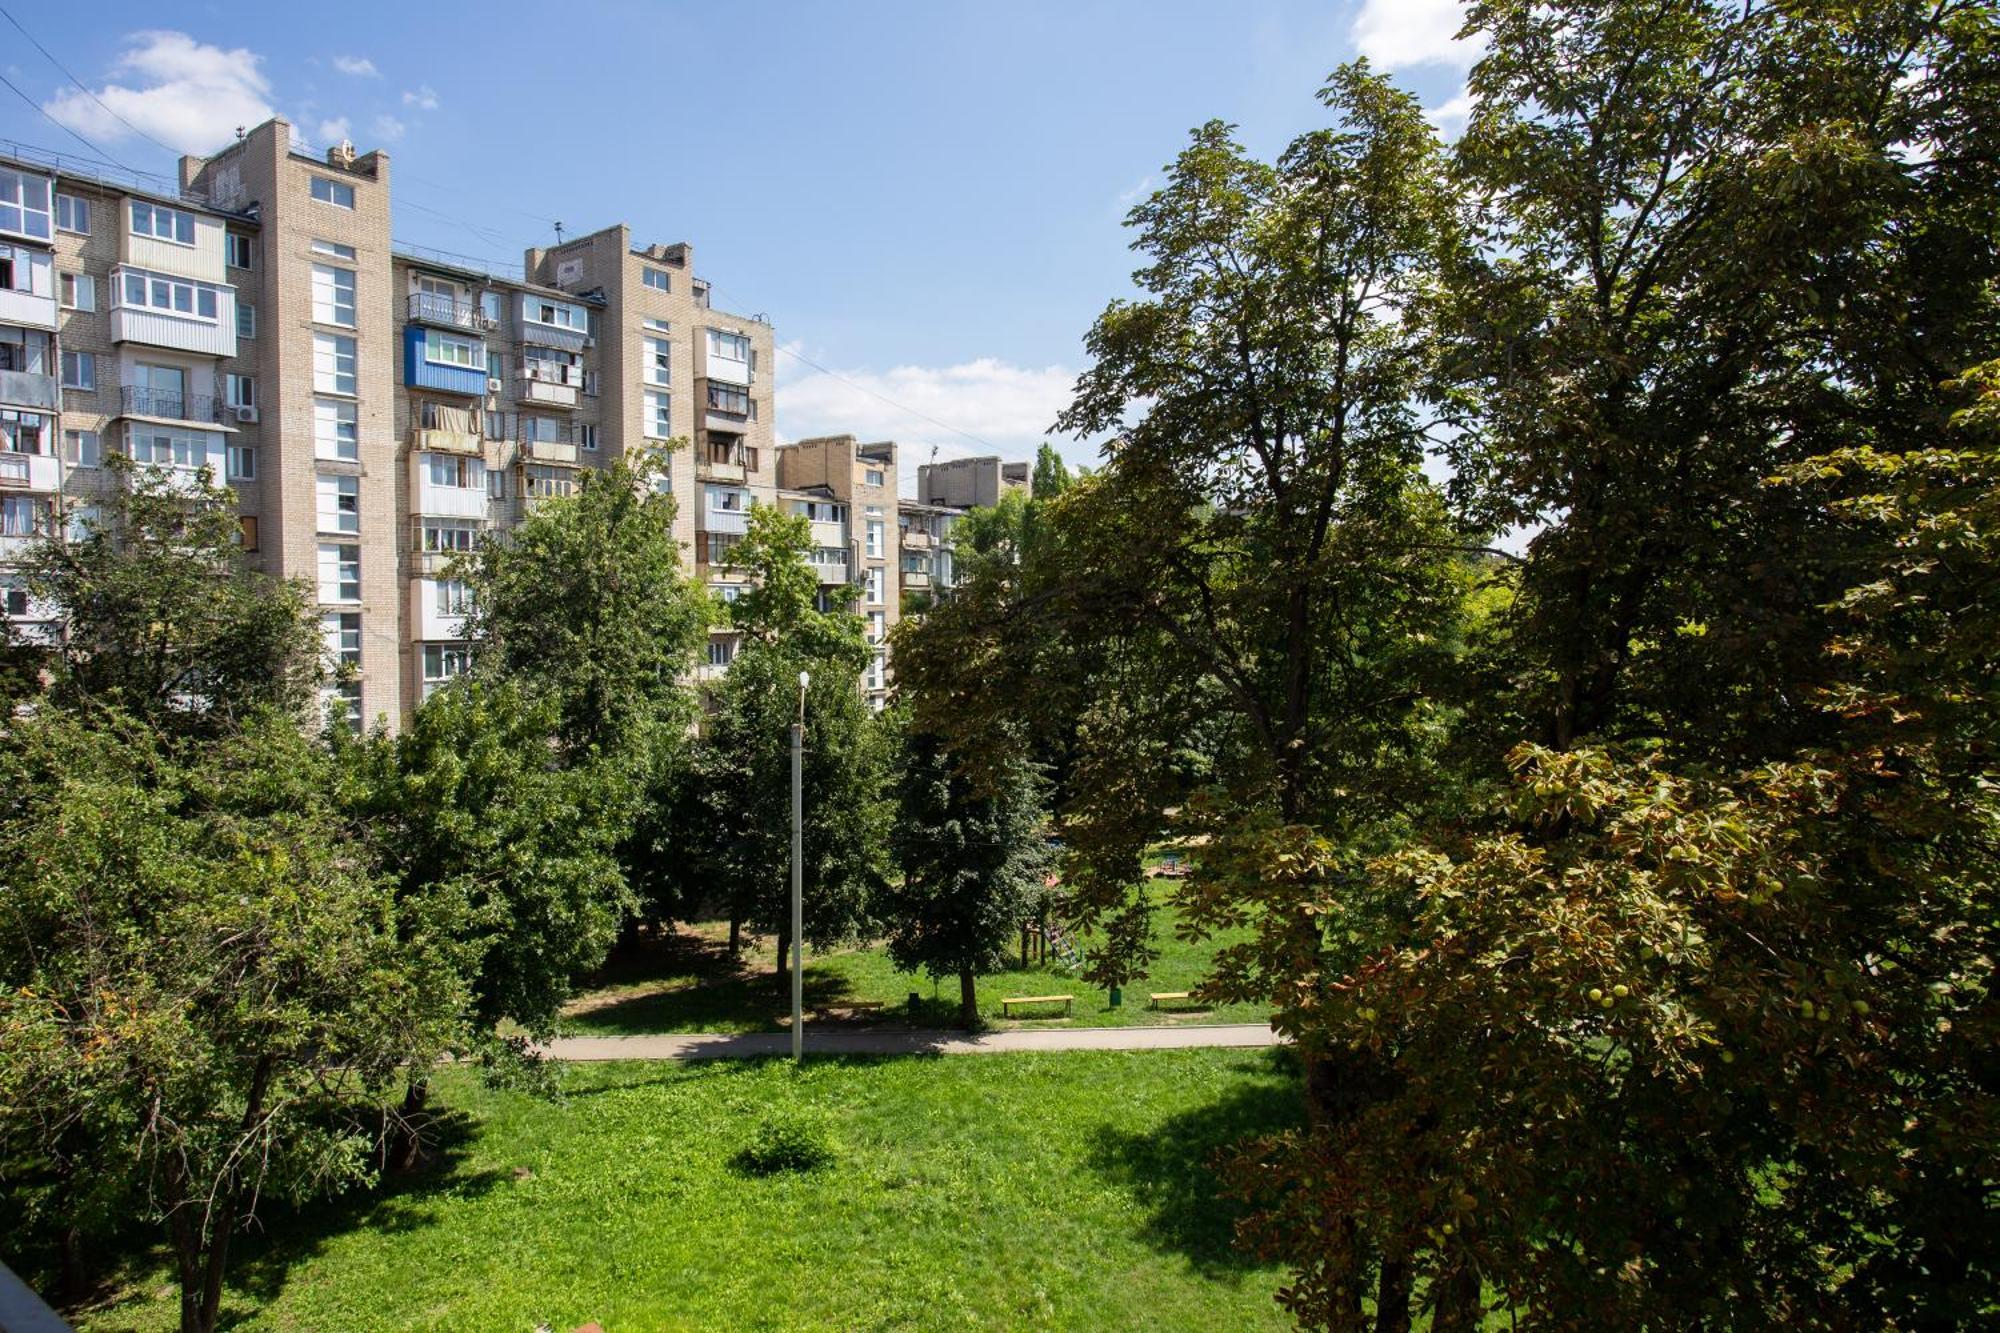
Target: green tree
159	614
969	868
1051	476
587	604
206	995
740	781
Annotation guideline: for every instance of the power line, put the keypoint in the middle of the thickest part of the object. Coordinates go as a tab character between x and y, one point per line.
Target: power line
36	107
81	86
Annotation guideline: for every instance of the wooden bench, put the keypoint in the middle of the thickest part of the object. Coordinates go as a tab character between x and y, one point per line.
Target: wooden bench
1155	997
1007	1005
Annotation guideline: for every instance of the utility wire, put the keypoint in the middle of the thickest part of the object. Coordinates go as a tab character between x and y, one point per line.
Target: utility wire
37	109
81	86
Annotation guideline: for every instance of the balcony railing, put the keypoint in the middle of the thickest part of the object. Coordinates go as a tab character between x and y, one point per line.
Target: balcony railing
448	312
173	404
549	451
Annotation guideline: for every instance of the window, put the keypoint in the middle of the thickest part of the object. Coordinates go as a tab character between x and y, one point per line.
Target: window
658	422
877	625
656	326
721	652
83	448
333	295
559	314
720	545
73	214
590	437
24	432
728	398
542	482
454	597
875	538
339	503
449	535
336	430
167	295
25	516
823	511
347	694
875	586
454	471
236	250
872	476
246	320
17	600
162	223
170	447
444	663
657	278
242	462
334	249
79	291
659	361
725	501
79	370
875	672
239	390
246	532
340	632
539	430
729	592
496	484
24	204
338	193
444	349
333	363
339	572
728	346
489	306
496	425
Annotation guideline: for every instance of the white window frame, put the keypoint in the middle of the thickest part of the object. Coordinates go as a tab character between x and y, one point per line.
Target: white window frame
86	368
459	353
332	351
327	190
333	249
76	209
239	390
78	291
160	294
344	514
330	285
18	211
242	462
657	415
83	448
330	440
659	362
148	219
344	559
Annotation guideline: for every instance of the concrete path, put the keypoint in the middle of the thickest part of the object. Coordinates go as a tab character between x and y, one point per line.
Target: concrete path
888	1041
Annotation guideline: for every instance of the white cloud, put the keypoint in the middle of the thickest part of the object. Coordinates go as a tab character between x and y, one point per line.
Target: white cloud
331	132
1451	117
1144	188
359	66
1396	34
388	128
424	98
190	95
1008	407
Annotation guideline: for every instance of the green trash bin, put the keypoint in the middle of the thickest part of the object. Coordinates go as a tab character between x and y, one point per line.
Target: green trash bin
1117	997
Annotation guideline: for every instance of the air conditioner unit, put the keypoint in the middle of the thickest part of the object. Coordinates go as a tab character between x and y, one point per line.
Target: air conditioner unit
493	386
246	413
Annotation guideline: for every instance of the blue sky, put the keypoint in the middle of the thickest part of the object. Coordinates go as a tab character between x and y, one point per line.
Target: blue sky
924	197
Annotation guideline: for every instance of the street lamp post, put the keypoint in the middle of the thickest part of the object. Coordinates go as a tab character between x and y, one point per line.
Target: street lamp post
798	877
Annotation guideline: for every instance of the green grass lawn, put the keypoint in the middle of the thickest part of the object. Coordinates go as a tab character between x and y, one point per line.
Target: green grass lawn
687	983
1021	1191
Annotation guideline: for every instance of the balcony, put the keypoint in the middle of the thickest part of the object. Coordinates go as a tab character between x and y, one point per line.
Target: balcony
916	539
916	580
709	470
448	313
28	309
549	386
34	472
18	388
169	405
420	372
832	573
444	441
562	452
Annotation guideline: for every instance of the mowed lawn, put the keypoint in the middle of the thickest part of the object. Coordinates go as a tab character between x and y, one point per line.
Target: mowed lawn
687	983
1058	1191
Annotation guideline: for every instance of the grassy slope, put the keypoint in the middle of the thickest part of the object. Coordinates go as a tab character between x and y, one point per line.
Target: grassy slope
1022	1191
689	987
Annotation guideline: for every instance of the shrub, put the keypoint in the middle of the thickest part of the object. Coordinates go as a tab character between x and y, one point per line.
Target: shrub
793	1138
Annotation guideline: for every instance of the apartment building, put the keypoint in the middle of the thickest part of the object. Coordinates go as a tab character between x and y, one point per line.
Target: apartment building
969	483
377	409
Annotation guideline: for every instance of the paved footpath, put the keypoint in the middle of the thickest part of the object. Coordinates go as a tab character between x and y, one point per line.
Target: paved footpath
890	1041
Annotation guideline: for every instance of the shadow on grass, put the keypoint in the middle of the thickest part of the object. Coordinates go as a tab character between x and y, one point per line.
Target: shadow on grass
1170	1168
261	1262
744	1003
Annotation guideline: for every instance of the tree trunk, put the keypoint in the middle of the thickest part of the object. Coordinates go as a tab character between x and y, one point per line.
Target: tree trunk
1458	1303
1392	1297
1024	946
784	953
735	935
968	1000
406	1145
